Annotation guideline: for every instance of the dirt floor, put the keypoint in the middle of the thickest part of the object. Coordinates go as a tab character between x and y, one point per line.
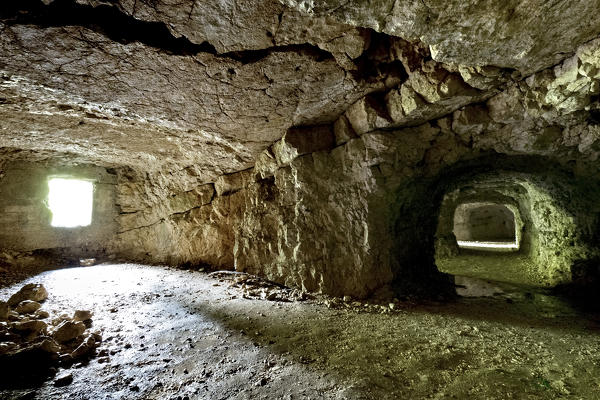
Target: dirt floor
173	334
509	267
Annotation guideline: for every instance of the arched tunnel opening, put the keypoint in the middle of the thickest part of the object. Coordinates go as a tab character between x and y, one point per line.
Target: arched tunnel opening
485	227
522	221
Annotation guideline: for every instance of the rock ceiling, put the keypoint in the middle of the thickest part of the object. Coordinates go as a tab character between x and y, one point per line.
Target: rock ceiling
206	86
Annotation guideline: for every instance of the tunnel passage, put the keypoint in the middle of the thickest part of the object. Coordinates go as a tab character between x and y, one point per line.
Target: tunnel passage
530	227
485	226
556	221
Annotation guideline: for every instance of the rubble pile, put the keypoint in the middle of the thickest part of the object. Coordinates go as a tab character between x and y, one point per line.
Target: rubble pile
254	287
34	344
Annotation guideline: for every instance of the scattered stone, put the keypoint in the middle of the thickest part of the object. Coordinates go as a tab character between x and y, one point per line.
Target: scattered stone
41	314
34	326
68	330
82	315
31	291
7	347
347	299
63	379
13	315
50	346
27	307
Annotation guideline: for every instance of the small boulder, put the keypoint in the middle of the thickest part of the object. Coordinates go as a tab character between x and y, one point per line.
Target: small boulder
31	291
34	326
41	314
49	346
7	347
63	379
27	307
60	319
82	315
13	316
68	330
85	348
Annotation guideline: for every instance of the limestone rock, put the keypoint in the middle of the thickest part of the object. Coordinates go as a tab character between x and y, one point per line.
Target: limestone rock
85	348
31	291
27	307
7	347
343	130
31	326
231	183
82	315
266	164
41	314
303	140
368	114
68	330
219	105
472	33
49	346
63	379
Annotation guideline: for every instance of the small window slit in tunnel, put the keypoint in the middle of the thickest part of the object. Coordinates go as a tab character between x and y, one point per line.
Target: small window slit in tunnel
485	227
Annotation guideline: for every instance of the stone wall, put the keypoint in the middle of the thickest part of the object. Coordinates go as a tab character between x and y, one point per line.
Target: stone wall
348	207
484	222
25	218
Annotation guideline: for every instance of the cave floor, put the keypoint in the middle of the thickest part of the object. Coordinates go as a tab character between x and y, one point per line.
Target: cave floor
498	267
173	333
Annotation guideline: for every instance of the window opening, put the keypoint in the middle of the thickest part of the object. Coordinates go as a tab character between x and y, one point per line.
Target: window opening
487	227
70	201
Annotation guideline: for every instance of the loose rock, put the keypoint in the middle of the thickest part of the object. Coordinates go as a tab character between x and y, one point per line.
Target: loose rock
82	315
27	307
31	291
63	379
68	330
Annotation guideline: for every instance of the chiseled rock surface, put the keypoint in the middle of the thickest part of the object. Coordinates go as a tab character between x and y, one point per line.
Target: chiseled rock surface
348	219
527	35
305	141
91	96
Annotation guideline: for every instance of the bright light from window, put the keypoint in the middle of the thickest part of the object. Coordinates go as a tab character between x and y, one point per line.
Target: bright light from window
70	201
472	244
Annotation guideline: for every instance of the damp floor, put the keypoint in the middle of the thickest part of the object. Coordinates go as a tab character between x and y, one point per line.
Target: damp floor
174	334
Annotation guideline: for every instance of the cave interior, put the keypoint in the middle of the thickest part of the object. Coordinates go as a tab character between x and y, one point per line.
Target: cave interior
285	189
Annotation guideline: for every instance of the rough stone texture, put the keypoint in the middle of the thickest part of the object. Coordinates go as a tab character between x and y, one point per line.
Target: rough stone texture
23	206
313	145
68	330
553	232
3	310
506	34
374	221
27	307
151	101
484	222
31	291
82	315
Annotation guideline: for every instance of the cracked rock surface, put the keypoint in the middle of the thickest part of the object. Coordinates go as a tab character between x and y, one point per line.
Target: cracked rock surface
310	142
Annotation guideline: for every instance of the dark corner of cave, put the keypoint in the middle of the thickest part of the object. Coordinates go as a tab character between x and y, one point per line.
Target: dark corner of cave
290	199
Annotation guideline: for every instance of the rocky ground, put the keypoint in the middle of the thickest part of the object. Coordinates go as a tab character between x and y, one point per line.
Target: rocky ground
173	334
